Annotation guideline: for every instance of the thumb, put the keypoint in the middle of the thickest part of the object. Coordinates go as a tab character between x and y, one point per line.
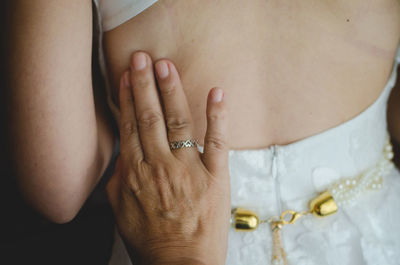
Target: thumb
215	156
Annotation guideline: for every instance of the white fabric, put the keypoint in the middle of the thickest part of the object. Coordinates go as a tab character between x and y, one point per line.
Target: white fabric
115	12
286	177
366	233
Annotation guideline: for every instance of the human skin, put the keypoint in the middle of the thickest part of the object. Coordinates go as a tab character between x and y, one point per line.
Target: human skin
290	69
293	71
279	65
58	136
171	206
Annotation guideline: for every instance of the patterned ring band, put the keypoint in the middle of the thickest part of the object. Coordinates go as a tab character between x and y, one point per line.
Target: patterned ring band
182	144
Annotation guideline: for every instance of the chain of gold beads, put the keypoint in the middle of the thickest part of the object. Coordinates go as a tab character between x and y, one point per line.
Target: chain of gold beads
345	191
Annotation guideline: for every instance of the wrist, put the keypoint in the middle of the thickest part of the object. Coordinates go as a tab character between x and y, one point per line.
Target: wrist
173	256
180	261
181	258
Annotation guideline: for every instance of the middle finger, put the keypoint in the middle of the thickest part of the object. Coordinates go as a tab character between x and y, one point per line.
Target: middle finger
177	113
149	114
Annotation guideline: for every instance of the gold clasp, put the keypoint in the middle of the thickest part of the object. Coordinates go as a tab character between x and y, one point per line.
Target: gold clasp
290	216
245	220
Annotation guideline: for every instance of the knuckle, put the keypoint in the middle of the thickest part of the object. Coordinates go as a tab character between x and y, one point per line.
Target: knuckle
149	119
141	82
168	88
161	173
215	142
128	127
177	123
217	116
130	181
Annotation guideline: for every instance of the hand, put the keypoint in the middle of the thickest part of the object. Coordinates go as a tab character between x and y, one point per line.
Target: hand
171	206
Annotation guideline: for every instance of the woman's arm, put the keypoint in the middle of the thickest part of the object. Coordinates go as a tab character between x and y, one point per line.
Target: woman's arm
60	144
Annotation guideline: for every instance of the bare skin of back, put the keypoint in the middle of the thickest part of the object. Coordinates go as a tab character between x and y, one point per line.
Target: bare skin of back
289	69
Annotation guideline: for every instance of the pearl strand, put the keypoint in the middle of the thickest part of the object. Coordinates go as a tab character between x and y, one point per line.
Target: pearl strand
347	190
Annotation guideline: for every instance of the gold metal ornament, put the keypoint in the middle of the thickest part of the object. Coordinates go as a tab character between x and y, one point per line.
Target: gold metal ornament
278	256
290	216
245	220
323	205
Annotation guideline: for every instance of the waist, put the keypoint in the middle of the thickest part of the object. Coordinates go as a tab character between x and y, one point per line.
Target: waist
297	172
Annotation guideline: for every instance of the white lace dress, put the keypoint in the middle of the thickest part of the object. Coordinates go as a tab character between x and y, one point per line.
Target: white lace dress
271	180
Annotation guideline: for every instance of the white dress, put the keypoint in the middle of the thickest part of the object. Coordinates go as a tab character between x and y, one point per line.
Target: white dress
278	178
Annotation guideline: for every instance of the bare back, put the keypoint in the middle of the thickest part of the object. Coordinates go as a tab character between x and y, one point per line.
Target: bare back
289	70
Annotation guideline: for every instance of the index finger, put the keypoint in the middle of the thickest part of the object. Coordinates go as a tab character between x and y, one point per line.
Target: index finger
149	115
130	143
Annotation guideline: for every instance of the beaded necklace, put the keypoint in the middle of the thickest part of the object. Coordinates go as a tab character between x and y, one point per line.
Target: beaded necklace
343	192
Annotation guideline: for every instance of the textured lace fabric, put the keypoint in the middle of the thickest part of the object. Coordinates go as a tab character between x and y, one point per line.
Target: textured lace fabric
269	181
272	180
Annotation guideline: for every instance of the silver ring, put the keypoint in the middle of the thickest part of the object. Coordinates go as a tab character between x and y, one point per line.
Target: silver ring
182	144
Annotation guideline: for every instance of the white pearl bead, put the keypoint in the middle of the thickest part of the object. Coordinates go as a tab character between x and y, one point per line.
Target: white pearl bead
347	190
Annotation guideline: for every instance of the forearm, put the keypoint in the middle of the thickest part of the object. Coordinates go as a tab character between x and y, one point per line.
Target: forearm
54	133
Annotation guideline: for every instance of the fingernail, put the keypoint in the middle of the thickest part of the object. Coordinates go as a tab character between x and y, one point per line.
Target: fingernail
217	95
162	69
139	61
